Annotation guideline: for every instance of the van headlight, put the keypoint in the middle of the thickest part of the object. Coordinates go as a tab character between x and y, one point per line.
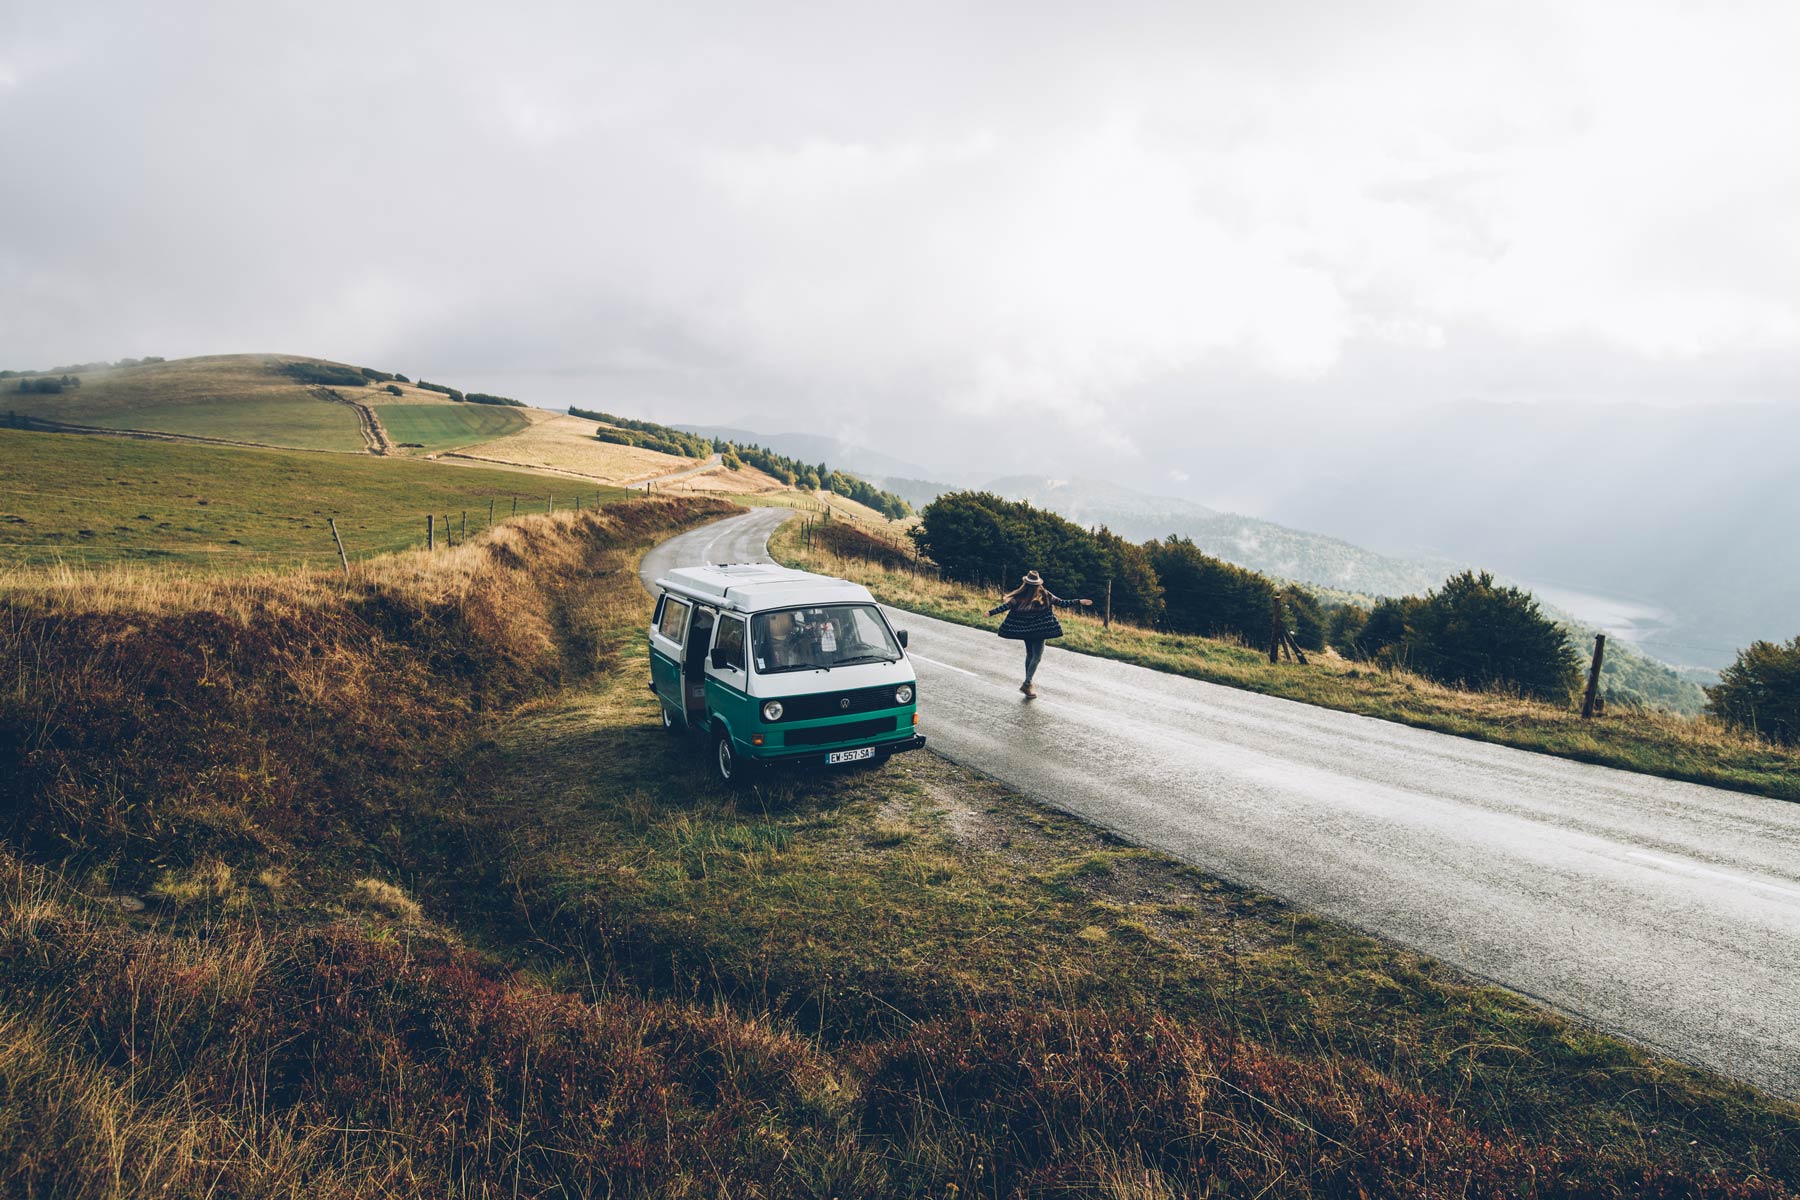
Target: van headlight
903	694
772	710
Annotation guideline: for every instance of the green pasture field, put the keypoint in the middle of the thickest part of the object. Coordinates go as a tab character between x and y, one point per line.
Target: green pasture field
98	501
447	426
238	397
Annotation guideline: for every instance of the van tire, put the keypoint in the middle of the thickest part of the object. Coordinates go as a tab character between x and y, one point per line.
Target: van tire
670	724
728	768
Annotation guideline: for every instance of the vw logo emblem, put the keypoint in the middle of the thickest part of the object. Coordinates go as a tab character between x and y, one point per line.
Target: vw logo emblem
844	704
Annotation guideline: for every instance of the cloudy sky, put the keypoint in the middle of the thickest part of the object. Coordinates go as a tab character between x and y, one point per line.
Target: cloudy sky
1076	238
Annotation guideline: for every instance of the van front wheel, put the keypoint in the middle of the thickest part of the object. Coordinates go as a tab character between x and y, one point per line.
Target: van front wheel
729	769
670	724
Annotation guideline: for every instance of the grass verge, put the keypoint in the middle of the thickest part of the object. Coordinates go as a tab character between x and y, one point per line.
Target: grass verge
436	908
1695	749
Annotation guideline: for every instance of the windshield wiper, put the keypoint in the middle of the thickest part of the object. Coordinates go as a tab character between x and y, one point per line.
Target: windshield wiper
844	662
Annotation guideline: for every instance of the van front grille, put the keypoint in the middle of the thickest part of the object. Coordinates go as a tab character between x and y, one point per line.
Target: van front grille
849	731
838	704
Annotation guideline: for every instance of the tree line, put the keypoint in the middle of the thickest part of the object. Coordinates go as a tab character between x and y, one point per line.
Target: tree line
814	477
48	385
649	435
1471	632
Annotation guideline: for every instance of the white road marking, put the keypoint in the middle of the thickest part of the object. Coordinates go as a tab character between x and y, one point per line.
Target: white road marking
934	662
1692	869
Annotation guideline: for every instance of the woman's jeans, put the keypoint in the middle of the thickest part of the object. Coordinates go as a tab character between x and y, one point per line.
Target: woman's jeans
1034	654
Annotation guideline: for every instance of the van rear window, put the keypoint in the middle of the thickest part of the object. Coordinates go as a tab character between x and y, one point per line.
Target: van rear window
674	618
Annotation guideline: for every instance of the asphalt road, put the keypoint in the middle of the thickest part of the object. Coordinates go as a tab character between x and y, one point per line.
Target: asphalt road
1666	912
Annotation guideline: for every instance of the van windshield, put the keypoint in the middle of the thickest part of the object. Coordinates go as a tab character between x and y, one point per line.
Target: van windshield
830	635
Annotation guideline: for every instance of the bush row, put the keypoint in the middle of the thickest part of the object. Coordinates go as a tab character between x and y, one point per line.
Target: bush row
628	431
1471	632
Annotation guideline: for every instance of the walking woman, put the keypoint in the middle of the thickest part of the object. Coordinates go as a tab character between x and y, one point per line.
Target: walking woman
1030	612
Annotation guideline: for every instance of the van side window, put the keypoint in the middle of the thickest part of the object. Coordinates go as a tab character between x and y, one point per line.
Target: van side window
731	640
674	619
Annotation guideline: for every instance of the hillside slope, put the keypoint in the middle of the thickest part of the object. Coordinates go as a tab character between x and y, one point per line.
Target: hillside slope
262	400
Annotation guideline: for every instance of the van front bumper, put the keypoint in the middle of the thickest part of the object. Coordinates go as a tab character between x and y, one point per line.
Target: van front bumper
821	756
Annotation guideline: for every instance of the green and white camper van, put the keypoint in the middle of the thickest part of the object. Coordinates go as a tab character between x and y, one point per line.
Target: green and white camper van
778	666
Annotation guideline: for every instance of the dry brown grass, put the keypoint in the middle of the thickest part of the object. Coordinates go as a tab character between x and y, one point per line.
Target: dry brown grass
824	988
560	442
720	481
306	704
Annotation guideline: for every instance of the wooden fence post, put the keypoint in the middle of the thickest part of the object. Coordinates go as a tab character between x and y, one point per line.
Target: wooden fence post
515	505
342	557
1275	630
449	538
551	502
430	532
1593	686
465	525
490	512
1107	622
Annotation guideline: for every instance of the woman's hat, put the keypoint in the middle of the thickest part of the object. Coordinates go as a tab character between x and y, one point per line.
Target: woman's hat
1033	578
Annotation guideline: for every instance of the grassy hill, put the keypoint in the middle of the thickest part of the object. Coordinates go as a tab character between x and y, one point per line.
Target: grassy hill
236	397
101	501
259	399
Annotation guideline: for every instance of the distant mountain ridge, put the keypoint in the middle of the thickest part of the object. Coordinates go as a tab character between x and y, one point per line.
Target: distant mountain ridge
1247	541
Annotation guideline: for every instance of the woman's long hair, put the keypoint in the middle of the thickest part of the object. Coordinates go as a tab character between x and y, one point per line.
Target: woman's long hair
1028	595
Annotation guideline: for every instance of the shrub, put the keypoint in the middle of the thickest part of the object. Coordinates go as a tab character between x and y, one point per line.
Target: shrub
441	390
1761	691
370	373
1382	635
1474	633
980	538
399	378
393	391
1208	596
324	374
1344	629
1137	593
484	398
1305	619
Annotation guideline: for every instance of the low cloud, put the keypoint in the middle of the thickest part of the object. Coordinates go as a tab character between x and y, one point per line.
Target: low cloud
1062	236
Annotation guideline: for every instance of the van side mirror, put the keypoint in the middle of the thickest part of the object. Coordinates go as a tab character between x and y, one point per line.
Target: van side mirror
901	634
721	659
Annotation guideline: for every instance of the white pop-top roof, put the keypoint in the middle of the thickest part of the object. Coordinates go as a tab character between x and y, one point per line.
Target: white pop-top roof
758	587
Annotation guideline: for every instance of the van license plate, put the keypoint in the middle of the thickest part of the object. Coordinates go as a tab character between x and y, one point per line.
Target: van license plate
843	756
